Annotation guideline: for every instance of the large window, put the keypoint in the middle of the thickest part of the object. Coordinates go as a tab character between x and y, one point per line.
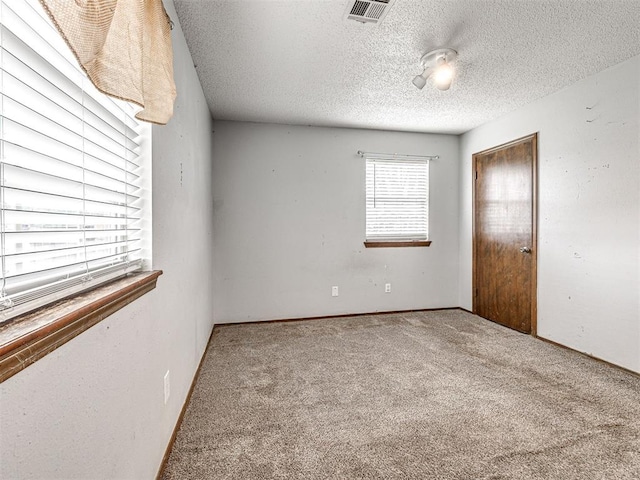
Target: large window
70	169
397	200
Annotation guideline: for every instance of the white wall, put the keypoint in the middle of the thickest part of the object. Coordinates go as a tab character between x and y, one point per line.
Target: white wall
94	407
289	224
589	211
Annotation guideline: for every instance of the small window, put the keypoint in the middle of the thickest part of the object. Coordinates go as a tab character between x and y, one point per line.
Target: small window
397	197
70	170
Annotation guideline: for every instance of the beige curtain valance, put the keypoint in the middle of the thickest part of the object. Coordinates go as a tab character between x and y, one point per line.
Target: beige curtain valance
125	48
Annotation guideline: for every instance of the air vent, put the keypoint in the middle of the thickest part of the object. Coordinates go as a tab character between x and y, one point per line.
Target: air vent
367	11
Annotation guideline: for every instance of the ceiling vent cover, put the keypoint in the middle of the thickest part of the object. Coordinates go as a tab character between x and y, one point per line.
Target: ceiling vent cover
368	11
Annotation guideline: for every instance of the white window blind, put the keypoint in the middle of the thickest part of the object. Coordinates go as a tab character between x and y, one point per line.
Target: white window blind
397	199
70	165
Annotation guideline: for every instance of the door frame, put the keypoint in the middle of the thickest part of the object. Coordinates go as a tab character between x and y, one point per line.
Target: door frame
534	220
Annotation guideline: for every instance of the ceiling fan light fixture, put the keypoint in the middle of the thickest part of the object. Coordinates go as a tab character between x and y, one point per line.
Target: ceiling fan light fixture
437	65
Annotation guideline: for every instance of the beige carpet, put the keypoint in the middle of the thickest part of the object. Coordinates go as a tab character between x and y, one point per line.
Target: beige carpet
434	395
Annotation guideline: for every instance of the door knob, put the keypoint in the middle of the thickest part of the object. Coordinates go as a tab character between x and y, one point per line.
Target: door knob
525	250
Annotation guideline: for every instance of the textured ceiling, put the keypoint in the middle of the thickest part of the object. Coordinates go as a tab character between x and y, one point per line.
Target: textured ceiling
299	62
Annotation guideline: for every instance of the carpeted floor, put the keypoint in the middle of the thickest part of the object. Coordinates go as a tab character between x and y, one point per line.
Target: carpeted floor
433	395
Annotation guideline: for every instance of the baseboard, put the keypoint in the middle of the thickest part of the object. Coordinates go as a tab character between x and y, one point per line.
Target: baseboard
172	440
551	342
345	315
593	357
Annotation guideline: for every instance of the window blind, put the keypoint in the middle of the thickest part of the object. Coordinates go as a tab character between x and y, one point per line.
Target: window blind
70	166
397	199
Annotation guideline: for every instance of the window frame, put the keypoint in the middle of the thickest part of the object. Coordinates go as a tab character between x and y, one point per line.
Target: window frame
103	233
37	327
380	241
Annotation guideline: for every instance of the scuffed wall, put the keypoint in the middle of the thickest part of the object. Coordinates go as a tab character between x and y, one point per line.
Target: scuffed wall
290	223
94	408
589	211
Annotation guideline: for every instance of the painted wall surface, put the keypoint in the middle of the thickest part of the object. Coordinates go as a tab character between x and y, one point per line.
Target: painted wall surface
94	408
289	224
589	211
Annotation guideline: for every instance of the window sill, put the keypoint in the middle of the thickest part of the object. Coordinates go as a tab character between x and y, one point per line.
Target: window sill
386	243
30	337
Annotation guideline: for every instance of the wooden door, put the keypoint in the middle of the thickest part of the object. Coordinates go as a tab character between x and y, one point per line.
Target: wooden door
504	234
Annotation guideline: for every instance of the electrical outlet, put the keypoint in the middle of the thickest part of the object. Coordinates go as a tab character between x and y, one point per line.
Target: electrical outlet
167	387
387	288
334	291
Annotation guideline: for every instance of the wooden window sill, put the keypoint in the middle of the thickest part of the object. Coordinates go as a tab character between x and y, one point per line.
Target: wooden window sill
30	337
385	244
